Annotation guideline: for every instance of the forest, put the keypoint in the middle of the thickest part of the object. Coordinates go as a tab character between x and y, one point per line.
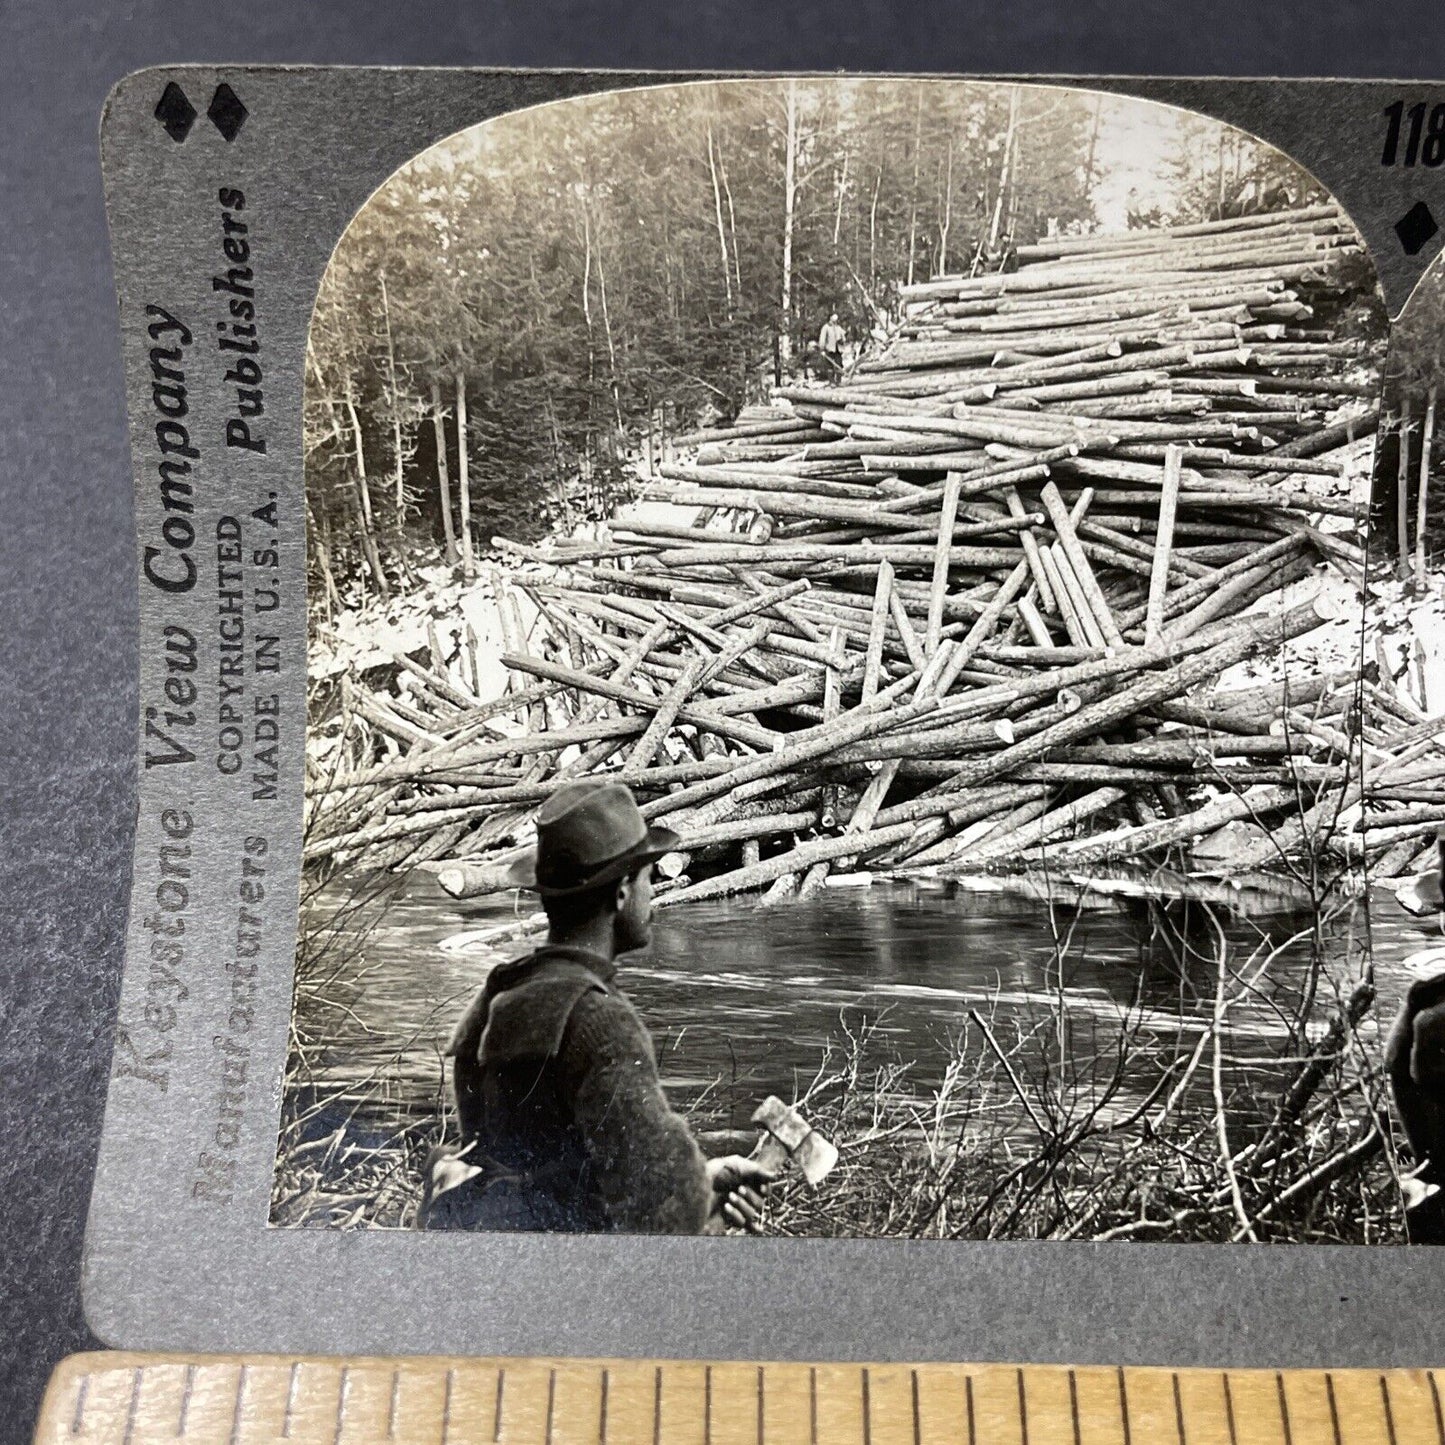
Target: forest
1028	583
527	311
1407	508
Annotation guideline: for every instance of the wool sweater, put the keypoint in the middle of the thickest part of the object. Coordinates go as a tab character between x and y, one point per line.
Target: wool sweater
559	1098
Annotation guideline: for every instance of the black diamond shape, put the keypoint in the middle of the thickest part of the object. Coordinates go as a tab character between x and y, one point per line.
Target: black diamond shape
1416	227
227	113
175	112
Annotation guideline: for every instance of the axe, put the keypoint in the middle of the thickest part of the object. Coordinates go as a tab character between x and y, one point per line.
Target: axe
788	1135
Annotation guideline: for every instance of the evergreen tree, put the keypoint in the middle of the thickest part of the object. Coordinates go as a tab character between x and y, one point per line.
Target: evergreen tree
576	282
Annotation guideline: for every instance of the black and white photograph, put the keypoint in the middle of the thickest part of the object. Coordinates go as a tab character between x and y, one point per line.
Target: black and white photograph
875	670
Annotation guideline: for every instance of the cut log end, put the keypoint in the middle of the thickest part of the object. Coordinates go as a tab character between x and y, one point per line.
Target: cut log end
473	880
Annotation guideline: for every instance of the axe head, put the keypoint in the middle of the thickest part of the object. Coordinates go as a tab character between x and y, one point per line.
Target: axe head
1416	1191
788	1135
816	1157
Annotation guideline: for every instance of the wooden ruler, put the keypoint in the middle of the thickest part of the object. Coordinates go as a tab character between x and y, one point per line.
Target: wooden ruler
127	1399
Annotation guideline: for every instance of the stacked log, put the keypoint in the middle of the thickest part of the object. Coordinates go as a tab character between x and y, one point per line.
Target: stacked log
968	607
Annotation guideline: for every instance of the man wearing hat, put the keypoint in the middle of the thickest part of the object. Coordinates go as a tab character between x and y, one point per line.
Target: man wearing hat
564	1123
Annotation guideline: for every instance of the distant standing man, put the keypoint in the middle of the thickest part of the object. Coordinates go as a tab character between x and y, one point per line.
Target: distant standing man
564	1123
830	343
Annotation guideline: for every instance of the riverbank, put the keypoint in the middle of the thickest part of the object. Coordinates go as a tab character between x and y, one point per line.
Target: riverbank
1318	1170
1060	1057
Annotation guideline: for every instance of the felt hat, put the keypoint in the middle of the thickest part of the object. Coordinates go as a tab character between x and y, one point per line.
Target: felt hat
589	833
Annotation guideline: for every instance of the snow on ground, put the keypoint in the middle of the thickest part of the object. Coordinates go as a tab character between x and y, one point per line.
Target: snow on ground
1336	645
370	636
1411	628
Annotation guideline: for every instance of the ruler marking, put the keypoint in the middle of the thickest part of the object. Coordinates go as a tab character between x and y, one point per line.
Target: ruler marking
241	1382
1334	1412
290	1401
78	1418
341	1393
133	1406
395	1401
1389	1411
1284	1411
83	1411
187	1385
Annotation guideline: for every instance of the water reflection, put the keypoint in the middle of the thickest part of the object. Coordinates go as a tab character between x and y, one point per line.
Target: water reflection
742	999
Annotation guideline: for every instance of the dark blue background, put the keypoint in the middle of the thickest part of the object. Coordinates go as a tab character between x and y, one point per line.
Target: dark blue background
67	594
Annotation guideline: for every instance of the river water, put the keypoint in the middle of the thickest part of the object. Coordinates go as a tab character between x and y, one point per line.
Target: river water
742	999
